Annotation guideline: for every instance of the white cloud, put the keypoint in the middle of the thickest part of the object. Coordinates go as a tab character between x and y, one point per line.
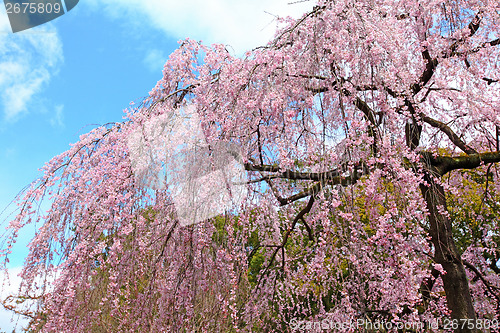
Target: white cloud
154	60
28	60
10	286
58	119
242	24
8	319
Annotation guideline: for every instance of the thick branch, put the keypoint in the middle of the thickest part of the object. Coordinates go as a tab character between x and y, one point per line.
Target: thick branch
445	164
360	104
430	68
489	81
331	177
494	42
293	175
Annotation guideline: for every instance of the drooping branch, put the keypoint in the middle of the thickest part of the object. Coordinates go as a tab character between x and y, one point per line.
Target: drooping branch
493	290
451	135
18	300
182	93
300	216
473	28
315	11
427	285
432	63
494	42
444	164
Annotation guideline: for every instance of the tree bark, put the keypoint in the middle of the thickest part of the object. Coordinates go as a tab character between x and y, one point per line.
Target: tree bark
455	283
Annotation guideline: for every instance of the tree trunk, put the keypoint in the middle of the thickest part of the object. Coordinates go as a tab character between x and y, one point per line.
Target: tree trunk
456	285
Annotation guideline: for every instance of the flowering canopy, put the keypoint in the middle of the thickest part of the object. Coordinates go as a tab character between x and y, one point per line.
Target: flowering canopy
369	132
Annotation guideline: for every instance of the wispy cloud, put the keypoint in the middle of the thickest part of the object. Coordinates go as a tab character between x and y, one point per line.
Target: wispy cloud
241	24
57	119
28	60
154	60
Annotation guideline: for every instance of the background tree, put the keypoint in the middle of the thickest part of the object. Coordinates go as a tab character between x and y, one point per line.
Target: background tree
372	126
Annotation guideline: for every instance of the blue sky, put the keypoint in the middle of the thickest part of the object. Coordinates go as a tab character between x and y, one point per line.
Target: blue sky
60	79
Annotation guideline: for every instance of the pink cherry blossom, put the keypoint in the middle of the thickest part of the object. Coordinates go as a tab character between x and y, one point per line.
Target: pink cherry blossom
369	133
